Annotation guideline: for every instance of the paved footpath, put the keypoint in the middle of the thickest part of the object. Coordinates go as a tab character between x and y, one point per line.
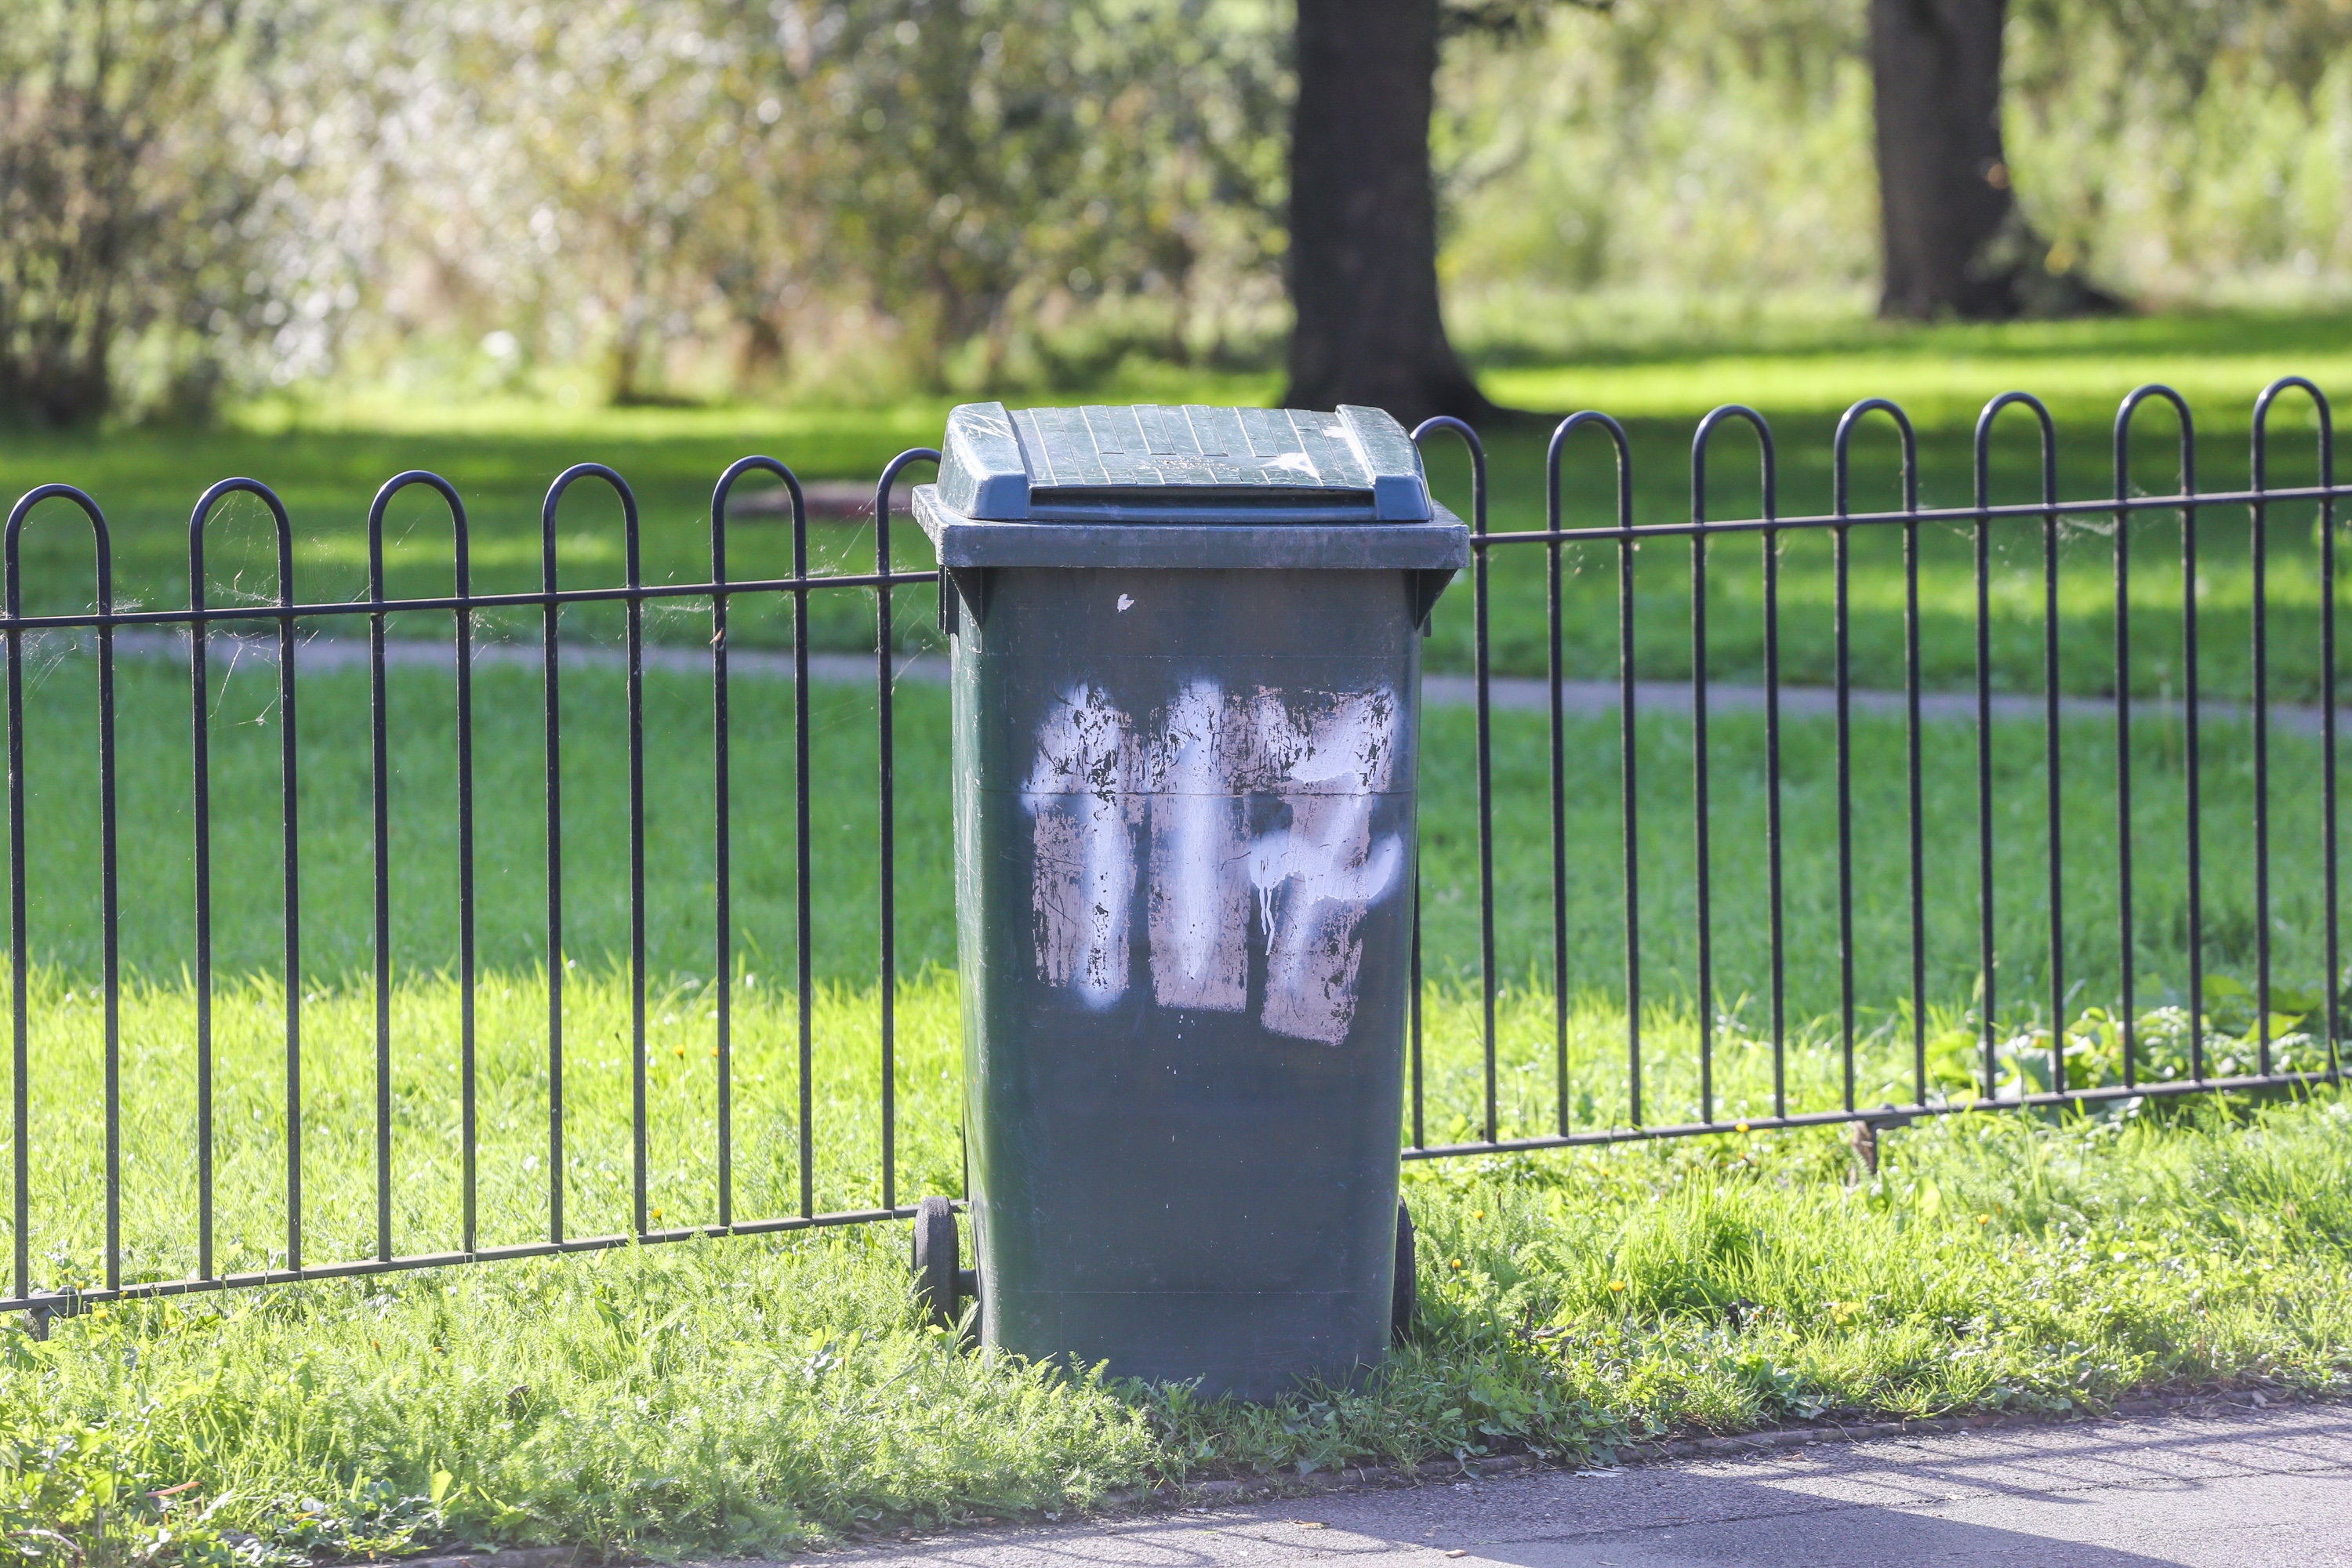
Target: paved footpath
2243	1488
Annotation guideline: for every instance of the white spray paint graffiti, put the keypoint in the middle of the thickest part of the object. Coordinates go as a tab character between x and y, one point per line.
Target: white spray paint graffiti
1200	883
1086	857
1309	882
1317	878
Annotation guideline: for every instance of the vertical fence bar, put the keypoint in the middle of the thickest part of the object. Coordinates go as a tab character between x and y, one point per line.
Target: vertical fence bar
2052	749
802	899
1483	682
2127	1018
722	815
110	897
722	868
201	849
2260	474
19	1059
462	654
551	696
2257	548
886	678
2192	781
290	870
1776	924
1628	752
2187	484
1705	870
640	1198
2050	693
1841	505
551	693
1627	762
468	1115
1841	654
2189	654
109	900
1702	861
1988	977
20	1125
1559	760
379	779
551	717
2327	725
1420	1130
1917	808
289	862
469	1108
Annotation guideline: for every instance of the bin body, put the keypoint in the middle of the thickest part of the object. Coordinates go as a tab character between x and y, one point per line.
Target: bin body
1186	737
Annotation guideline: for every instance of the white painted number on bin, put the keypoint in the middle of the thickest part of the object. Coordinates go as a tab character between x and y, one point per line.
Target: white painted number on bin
1297	890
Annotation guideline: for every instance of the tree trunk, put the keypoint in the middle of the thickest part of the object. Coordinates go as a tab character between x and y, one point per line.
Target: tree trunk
1363	216
1945	203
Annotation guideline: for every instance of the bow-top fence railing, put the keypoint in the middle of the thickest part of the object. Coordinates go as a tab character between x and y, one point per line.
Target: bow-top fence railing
1579	1010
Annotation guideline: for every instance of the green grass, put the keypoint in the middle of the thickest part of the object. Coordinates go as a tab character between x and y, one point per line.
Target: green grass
64	934
759	1396
328	461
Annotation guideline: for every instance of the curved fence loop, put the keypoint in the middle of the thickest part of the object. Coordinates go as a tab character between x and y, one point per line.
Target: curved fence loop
2127	936
1704	438
1629	805
1524	1110
100	538
1841	543
2260	476
1981	444
2054	958
19	938
886	687
2258	549
551	721
722	799
289	859
1840	486
376	508
1483	679
379	743
1702	441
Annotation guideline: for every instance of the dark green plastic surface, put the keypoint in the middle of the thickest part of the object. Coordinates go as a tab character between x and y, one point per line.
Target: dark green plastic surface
1184	803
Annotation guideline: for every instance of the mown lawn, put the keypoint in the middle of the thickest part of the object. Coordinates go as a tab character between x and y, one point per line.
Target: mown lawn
326	458
157	894
764	1396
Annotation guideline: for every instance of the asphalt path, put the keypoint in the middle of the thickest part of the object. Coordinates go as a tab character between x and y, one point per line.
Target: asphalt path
1518	693
2242	1488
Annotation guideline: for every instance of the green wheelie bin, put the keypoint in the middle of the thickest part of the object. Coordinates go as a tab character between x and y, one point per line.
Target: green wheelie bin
1186	653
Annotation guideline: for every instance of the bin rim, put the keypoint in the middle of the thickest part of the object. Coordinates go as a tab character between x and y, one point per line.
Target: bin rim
1182	463
1439	544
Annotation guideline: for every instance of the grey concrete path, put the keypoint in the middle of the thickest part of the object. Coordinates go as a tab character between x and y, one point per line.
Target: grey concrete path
1516	693
2241	1490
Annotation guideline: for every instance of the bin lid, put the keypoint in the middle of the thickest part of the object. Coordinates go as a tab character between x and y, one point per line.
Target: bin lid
1184	486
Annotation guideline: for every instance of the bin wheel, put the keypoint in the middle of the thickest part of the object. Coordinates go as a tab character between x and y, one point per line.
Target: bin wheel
1405	1290
935	1261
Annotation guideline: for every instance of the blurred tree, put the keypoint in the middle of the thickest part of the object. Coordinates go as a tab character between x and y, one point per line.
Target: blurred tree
930	188
1944	185
129	202
1362	267
1952	238
1362	263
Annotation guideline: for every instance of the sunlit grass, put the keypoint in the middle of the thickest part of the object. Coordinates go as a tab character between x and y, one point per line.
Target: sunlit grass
761	1394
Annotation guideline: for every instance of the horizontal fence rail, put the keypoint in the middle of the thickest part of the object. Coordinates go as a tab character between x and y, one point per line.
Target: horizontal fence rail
2037	1073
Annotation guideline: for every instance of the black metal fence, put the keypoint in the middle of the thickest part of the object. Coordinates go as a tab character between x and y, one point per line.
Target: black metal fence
1620	537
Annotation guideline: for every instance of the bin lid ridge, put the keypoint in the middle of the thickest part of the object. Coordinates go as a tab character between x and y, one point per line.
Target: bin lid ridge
1181	463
